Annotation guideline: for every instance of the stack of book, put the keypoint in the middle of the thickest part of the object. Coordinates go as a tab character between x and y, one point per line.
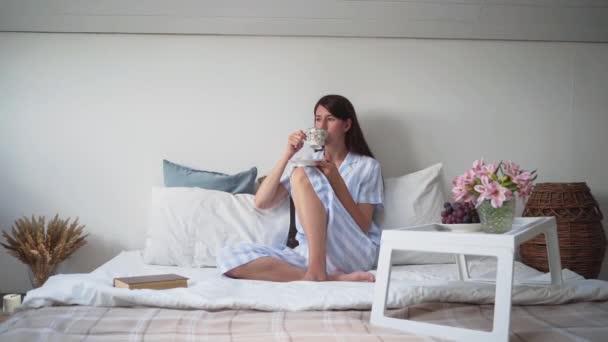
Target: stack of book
154	282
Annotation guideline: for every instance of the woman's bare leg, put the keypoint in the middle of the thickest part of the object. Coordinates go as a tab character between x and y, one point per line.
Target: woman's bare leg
272	269
267	268
311	212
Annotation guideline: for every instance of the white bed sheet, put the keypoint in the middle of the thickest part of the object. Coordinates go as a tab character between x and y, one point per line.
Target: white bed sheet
211	291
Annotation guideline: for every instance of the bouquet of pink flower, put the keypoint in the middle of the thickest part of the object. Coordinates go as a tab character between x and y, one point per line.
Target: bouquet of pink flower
496	183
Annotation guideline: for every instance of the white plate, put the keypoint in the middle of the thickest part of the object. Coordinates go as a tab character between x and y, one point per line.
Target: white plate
460	228
304	162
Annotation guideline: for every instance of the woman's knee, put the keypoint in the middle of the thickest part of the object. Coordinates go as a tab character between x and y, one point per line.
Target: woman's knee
299	177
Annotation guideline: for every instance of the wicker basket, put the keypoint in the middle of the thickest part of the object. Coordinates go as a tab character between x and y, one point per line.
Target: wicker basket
582	242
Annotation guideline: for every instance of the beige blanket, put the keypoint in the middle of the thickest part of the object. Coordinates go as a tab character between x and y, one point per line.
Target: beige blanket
587	321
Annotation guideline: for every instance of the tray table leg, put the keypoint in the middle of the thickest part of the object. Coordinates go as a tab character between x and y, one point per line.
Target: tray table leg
504	287
463	270
502	300
553	255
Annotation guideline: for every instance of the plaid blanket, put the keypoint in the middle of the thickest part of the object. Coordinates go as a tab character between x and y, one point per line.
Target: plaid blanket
586	321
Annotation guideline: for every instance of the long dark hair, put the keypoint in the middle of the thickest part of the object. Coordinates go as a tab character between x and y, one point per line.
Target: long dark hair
340	107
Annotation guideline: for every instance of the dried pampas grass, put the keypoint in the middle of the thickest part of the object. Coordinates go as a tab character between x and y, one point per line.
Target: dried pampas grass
43	249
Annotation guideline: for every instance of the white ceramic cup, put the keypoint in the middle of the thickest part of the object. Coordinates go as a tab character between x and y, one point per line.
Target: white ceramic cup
316	137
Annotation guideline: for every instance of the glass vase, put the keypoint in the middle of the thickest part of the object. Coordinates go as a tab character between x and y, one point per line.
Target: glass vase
496	220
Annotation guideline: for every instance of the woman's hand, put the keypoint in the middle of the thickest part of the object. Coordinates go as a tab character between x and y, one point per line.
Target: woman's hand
294	143
328	168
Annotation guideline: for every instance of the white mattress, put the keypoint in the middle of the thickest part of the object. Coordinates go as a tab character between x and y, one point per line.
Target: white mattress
207	289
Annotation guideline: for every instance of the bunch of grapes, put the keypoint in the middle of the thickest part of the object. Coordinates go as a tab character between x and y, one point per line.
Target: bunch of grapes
459	213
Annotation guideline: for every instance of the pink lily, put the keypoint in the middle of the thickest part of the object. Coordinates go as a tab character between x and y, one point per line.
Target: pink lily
511	169
461	193
490	169
478	168
522	178
525	190
492	191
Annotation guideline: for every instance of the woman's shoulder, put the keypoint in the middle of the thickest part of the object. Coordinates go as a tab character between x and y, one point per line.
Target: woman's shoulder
370	162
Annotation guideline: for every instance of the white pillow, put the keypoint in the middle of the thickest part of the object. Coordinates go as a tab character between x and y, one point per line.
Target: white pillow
188	226
410	200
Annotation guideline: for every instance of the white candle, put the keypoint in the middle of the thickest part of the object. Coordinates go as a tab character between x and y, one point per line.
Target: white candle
11	302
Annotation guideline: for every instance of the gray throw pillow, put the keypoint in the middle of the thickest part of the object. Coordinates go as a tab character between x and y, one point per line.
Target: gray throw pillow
176	175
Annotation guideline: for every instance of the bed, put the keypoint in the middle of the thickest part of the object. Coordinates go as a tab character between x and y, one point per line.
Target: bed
215	308
188	225
572	322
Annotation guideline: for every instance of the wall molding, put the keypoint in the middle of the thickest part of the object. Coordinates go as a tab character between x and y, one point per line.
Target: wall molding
545	20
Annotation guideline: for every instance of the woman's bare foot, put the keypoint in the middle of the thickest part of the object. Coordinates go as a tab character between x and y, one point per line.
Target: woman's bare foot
359	276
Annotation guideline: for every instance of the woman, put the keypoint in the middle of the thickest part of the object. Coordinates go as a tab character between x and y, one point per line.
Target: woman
334	203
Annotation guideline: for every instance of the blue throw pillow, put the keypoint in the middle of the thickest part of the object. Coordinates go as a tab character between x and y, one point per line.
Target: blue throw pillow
181	176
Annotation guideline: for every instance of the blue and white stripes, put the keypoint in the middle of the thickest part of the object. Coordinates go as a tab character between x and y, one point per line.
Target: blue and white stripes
348	248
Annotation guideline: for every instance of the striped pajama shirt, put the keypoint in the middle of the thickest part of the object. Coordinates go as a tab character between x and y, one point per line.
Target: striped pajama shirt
348	248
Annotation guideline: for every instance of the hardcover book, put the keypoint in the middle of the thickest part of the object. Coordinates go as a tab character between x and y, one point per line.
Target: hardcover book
155	282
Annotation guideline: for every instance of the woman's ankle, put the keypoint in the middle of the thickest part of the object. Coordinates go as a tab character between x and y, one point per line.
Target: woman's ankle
315	276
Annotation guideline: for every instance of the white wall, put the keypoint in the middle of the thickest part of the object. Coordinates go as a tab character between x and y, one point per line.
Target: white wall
85	120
